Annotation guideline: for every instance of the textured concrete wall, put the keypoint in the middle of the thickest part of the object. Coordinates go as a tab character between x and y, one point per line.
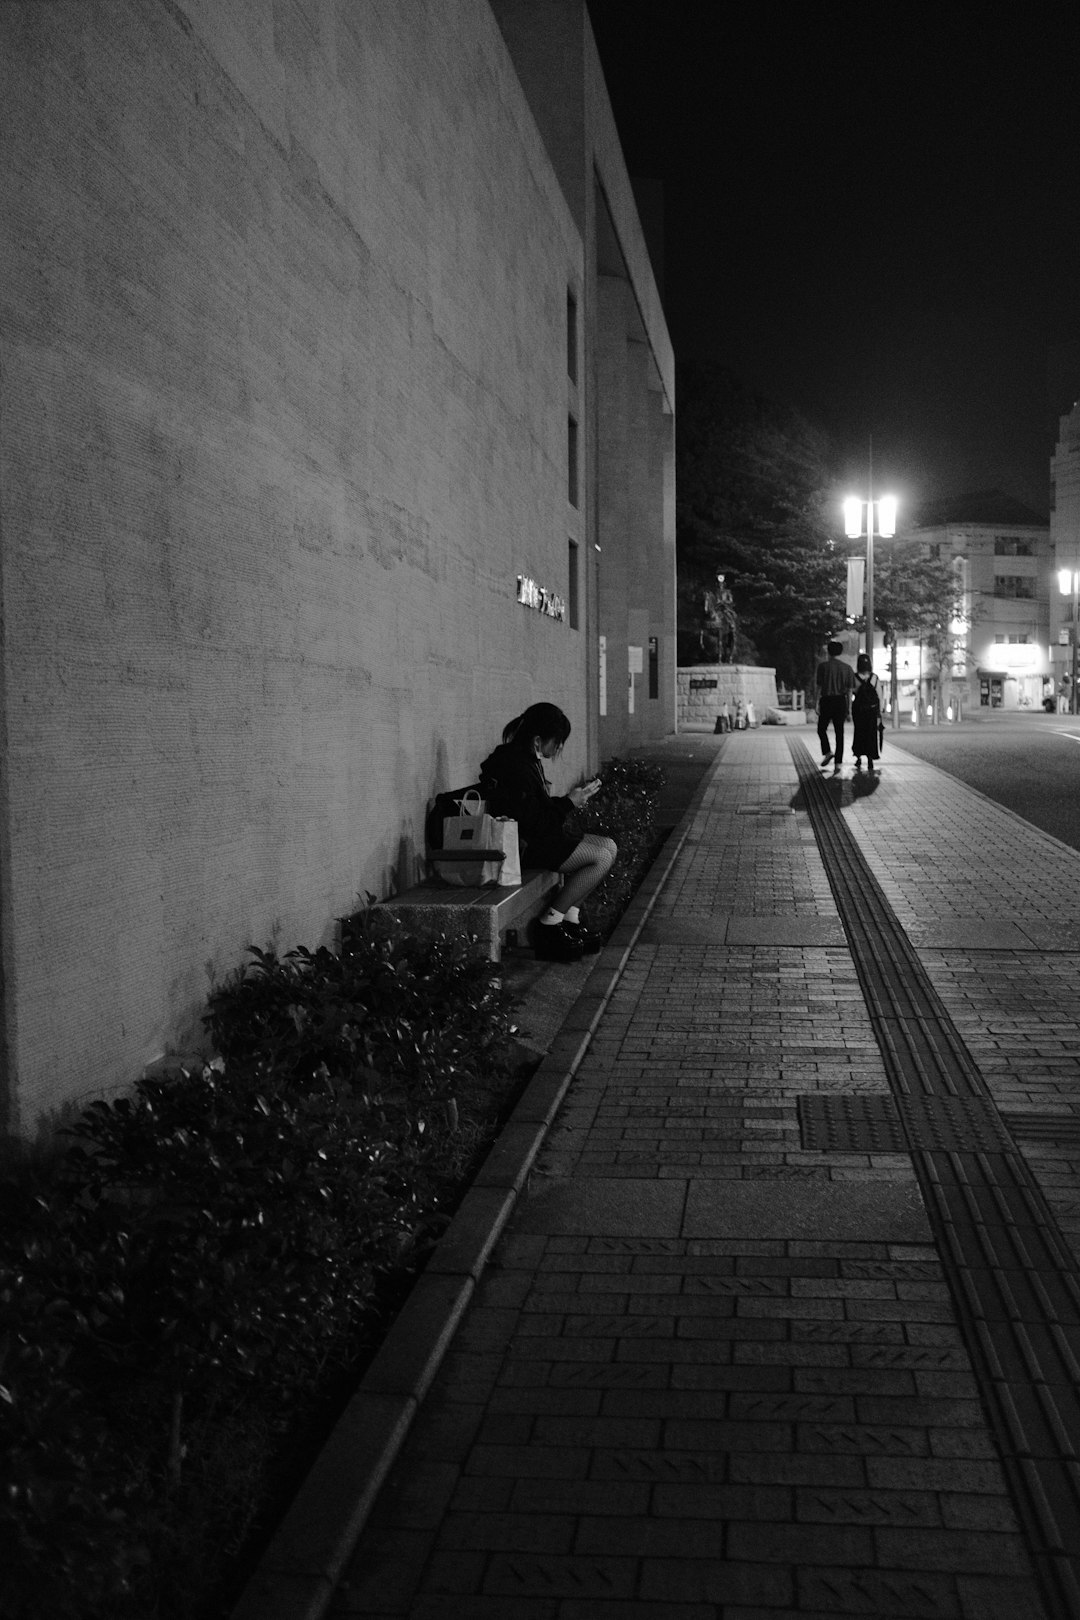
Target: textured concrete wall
282	419
629	366
635	525
705	688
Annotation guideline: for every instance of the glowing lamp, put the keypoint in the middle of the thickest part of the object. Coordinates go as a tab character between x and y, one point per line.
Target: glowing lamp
853	517
887	516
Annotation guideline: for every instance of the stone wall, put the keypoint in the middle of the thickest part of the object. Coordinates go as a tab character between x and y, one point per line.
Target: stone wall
703	690
283	419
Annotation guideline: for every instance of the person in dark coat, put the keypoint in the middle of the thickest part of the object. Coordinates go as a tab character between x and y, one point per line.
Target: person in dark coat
513	783
835	682
865	714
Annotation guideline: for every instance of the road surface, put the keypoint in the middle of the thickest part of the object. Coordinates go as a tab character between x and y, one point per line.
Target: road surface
1029	762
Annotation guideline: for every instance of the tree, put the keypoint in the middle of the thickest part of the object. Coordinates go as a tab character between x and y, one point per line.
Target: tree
919	597
916	595
753	503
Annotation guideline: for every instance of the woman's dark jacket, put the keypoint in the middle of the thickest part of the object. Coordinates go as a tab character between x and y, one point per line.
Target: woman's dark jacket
513	783
866	714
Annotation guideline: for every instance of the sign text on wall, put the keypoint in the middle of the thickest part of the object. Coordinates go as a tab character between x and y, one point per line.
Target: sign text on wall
532	595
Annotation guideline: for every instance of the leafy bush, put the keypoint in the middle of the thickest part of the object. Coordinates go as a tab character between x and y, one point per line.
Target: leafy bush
180	1287
210	1250
624	809
388	1007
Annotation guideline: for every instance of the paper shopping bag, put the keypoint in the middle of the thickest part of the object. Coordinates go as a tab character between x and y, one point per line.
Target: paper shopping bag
469	856
505	832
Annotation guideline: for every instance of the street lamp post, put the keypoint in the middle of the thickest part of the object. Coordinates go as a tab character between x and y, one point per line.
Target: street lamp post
886	528
1069	580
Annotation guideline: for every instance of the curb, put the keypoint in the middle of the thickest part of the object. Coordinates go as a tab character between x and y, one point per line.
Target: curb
306	1558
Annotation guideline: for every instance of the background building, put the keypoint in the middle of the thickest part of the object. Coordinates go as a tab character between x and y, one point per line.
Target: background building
1064	543
1000	655
336	427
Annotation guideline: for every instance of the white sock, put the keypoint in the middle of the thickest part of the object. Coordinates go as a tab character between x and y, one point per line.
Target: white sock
551	916
572	914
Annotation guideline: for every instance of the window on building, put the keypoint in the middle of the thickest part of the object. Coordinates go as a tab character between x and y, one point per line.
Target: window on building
571	461
934	552
1006	546
571	336
572	583
1014	585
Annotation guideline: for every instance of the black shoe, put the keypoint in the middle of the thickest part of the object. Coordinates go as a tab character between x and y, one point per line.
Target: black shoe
552	942
825	758
590	943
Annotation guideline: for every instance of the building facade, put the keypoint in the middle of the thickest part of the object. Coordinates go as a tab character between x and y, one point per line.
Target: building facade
1065	552
336	427
998	652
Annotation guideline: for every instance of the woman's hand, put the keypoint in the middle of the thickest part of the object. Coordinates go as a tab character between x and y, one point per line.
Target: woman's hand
580	796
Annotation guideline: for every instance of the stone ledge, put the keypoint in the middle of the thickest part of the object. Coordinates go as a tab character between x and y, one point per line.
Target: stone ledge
484	913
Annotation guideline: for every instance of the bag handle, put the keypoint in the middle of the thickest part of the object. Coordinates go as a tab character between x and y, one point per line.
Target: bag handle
464	807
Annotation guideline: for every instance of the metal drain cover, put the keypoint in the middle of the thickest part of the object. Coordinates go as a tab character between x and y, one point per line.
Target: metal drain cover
862	1123
766	807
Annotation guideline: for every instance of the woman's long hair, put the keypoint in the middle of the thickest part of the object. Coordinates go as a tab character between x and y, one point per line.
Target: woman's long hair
541	720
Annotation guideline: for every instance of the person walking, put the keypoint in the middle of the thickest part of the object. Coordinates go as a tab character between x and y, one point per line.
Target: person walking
835	682
865	714
513	783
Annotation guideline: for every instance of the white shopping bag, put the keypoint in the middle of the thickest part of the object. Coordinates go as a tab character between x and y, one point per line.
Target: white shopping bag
469	834
506	838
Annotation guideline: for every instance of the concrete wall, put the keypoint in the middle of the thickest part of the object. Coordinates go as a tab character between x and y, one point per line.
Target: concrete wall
628	430
283	417
704	689
635	526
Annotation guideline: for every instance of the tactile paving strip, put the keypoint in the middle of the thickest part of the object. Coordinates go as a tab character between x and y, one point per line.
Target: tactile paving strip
851	1124
1060	1130
862	1123
1014	1283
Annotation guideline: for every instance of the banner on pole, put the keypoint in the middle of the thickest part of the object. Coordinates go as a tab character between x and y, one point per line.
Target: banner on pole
856	569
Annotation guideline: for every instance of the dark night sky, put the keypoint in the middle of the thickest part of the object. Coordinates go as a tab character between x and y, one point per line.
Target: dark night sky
873	213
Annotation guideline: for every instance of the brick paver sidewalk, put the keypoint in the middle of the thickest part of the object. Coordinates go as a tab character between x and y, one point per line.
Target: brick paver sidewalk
713	1369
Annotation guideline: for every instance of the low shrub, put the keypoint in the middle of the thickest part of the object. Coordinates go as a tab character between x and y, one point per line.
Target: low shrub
210	1252
423	1014
185	1285
624	809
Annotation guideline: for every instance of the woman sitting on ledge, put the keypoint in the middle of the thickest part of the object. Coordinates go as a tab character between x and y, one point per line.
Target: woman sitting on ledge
513	783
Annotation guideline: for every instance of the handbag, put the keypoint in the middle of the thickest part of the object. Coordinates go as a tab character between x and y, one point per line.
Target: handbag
475	846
